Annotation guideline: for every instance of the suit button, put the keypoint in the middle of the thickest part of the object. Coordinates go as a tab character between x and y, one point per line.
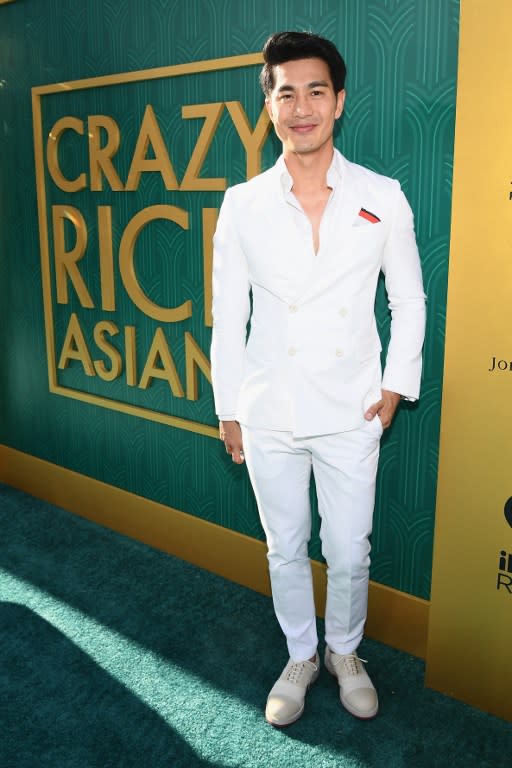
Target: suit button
343	312
291	351
339	353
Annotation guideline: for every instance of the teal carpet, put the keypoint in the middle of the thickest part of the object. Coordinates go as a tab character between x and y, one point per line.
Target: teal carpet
115	655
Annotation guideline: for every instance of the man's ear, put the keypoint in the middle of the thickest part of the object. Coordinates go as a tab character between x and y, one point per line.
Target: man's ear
268	105
340	103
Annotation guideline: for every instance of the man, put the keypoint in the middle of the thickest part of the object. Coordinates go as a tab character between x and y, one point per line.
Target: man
303	390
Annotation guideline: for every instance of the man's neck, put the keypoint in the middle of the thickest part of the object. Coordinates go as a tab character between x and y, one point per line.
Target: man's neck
309	169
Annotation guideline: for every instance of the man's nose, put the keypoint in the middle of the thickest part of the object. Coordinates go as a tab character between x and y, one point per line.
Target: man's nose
301	106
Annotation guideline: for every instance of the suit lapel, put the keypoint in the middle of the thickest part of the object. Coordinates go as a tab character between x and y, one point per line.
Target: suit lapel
291	263
337	237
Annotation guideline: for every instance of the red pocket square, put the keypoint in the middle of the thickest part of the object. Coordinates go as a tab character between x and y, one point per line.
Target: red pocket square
369	216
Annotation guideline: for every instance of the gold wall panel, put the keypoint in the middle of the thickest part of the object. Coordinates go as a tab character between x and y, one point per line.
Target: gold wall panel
471	607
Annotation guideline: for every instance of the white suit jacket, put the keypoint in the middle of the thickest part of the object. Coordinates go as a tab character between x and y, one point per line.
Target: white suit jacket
309	361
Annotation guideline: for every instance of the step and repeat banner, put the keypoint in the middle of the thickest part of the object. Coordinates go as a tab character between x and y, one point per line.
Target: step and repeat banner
122	123
471	606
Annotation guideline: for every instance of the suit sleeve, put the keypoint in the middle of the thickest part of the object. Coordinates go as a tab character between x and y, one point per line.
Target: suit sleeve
230	309
404	284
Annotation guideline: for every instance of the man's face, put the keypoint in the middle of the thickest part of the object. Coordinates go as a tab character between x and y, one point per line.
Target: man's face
303	105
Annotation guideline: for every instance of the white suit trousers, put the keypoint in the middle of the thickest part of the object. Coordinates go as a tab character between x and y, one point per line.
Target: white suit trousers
345	467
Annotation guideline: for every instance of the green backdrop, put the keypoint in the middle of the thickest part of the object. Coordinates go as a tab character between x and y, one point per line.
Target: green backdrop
399	120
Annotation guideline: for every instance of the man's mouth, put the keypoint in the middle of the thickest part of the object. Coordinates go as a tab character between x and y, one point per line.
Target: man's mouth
303	127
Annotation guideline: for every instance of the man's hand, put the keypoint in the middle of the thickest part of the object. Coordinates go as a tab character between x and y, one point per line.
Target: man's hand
384	409
231	434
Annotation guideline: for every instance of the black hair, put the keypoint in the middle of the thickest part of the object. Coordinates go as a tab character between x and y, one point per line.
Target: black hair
290	46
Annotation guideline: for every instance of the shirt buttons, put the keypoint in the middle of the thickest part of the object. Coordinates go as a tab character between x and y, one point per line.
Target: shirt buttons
339	353
343	312
291	351
293	308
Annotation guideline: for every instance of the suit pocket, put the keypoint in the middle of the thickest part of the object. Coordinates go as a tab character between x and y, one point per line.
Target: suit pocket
367	229
376	426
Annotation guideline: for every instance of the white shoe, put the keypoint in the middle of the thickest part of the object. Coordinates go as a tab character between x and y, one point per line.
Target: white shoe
357	693
285	703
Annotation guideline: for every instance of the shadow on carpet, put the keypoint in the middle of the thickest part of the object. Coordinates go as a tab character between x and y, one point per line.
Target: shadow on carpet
115	654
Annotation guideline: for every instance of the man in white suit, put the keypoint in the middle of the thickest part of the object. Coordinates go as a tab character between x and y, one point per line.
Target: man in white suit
302	390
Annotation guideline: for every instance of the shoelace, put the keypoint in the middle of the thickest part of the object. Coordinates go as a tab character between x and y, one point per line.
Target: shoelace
297	670
350	662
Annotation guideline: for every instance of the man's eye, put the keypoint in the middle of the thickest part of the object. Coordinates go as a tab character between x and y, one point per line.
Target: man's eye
316	93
